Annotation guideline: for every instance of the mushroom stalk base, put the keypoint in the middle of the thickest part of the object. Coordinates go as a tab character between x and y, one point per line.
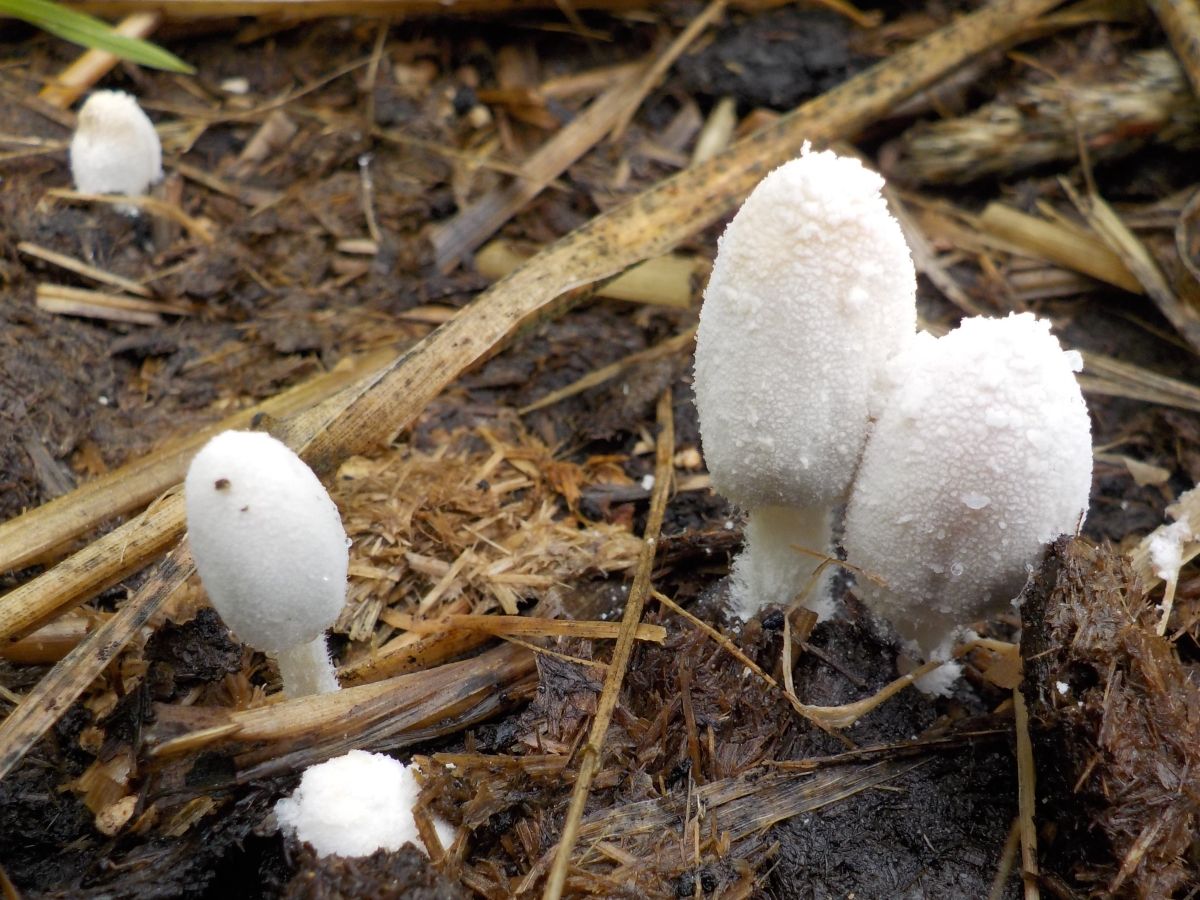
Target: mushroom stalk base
770	571
306	669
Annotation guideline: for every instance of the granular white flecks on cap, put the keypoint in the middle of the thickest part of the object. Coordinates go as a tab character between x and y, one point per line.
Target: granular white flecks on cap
356	804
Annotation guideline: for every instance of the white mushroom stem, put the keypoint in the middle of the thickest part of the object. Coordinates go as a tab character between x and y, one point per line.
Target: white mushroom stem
772	570
306	669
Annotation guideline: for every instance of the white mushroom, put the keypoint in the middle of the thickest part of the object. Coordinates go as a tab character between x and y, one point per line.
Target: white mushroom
812	291
115	149
356	804
980	456
271	552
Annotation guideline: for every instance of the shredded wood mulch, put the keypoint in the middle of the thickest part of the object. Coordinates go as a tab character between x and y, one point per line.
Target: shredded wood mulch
396	246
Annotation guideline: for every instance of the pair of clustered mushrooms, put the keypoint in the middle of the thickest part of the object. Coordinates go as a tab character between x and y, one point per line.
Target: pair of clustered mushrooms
956	459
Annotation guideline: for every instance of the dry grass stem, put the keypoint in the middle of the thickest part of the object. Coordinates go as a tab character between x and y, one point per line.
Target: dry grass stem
1180	19
649	79
529	626
83	269
667	347
79	77
468	229
1026	797
1137	259
1008	856
1117	378
54	694
1112	113
662	281
384	708
44	531
154	206
639	591
1054	242
63	300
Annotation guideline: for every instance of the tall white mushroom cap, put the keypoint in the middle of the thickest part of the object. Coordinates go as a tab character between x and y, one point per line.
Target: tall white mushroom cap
267	540
115	149
812	290
980	456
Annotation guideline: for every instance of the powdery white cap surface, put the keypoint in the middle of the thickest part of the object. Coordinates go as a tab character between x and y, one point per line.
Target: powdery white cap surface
115	149
356	804
981	455
268	542
812	290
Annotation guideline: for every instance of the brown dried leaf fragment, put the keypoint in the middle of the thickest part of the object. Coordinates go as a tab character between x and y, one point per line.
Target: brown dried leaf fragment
1115	716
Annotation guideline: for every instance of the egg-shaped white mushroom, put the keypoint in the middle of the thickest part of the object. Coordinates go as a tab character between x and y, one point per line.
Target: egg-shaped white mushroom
812	291
115	149
271	552
356	804
980	456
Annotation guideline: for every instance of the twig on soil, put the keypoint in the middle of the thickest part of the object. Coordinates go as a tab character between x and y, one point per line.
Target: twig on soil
1145	100
316	727
472	226
1137	259
1068	247
530	626
299	10
925	258
666	347
1180	19
83	269
55	693
825	717
663	281
649	79
1117	378
93	65
64	300
152	205
1026	797
1007	857
890	751
591	755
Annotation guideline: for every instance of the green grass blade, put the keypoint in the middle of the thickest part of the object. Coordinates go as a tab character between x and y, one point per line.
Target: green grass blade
88	31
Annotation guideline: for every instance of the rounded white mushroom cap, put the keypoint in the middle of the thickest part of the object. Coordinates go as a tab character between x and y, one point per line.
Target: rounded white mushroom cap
115	149
356	804
267	540
812	290
981	455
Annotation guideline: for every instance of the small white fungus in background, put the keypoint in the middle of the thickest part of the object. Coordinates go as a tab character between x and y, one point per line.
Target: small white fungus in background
1166	549
356	804
115	149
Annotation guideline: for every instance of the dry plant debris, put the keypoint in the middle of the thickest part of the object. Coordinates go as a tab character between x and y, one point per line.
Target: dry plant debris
1111	701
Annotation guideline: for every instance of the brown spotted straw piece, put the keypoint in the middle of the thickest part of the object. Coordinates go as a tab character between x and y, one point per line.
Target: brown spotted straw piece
592	753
